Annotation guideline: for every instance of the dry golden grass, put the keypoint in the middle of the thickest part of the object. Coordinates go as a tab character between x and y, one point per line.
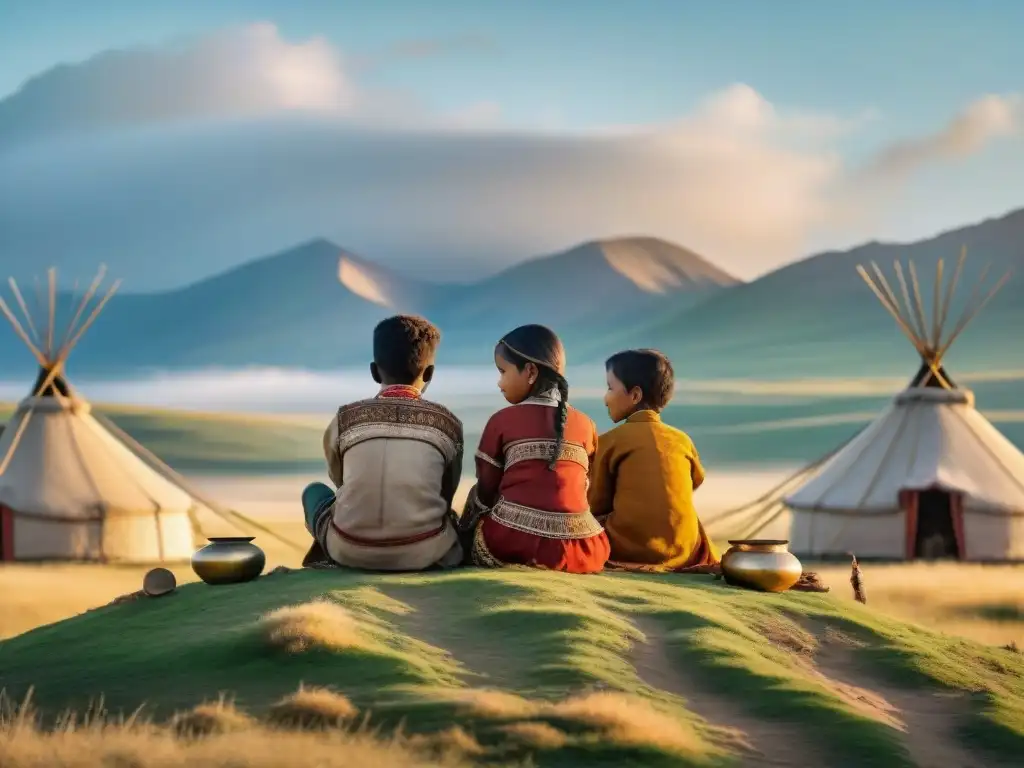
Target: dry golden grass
981	602
490	703
450	744
211	718
312	708
310	728
536	735
630	721
616	718
146	747
319	624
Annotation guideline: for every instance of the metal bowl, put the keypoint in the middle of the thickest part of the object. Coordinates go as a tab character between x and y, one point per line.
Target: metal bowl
229	560
766	565
159	582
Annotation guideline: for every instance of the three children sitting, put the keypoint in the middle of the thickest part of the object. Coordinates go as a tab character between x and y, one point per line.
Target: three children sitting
550	493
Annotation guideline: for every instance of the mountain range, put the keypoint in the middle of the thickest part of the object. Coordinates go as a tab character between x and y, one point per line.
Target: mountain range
314	306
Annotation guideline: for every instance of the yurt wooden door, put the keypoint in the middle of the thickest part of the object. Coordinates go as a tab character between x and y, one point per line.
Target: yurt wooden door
6	534
934	524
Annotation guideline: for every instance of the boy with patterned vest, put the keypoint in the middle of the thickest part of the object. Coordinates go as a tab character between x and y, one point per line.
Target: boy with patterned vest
396	460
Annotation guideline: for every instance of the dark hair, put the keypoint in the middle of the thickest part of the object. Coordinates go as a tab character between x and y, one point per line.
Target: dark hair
403	347
540	345
647	369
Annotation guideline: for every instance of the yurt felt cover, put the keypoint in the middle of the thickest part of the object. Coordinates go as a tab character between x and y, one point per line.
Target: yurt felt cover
927	438
68	467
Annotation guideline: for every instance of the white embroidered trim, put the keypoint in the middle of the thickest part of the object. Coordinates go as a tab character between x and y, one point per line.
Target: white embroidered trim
484	457
548	525
541	450
435	437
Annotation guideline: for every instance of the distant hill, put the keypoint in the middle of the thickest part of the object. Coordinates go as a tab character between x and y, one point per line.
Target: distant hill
586	292
314	306
816	317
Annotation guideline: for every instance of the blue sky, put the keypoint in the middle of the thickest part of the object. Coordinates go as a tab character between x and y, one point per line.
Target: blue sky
594	62
910	66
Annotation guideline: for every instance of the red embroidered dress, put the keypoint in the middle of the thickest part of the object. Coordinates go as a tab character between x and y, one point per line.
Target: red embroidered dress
532	515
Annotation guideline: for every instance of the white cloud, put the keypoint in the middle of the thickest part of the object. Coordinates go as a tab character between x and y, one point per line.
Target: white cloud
163	204
238	72
242	72
209	154
738	110
991	117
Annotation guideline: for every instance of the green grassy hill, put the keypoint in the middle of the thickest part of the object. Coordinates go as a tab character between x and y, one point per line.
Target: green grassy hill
221	443
817	317
604	670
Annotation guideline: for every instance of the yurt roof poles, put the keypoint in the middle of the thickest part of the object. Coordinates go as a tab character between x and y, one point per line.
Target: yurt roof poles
930	339
51	357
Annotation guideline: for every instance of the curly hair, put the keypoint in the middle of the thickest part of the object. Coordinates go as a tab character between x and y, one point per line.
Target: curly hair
541	346
647	369
403	347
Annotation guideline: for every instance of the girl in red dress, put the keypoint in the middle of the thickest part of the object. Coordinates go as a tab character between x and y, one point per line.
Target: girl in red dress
529	505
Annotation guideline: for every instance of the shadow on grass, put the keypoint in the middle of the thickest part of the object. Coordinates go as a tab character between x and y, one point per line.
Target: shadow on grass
446	614
182	649
542	632
757	676
913	658
613	756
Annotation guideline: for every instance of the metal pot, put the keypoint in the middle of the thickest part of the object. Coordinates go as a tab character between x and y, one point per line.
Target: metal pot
229	560
762	564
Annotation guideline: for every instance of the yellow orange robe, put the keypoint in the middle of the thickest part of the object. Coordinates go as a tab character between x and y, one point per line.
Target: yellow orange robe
644	476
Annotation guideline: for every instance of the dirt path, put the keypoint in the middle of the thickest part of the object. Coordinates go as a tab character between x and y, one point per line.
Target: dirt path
761	742
927	719
432	622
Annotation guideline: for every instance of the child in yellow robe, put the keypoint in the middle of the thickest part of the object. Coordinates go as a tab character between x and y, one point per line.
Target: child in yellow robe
645	472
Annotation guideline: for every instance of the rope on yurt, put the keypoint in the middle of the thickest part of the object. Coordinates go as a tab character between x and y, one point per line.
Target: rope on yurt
767	500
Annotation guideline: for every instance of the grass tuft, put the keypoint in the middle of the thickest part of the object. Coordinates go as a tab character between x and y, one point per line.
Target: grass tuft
629	721
536	735
312	708
317	625
211	718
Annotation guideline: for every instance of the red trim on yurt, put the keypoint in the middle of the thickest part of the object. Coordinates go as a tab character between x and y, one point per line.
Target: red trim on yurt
956	513
6	534
908	503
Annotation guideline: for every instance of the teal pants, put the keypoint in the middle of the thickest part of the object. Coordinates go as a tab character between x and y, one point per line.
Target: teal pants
316	500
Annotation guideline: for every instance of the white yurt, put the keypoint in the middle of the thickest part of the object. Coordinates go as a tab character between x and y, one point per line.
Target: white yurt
73	491
72	485
930	477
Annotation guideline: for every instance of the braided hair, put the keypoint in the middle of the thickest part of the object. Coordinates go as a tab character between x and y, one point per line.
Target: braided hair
540	345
